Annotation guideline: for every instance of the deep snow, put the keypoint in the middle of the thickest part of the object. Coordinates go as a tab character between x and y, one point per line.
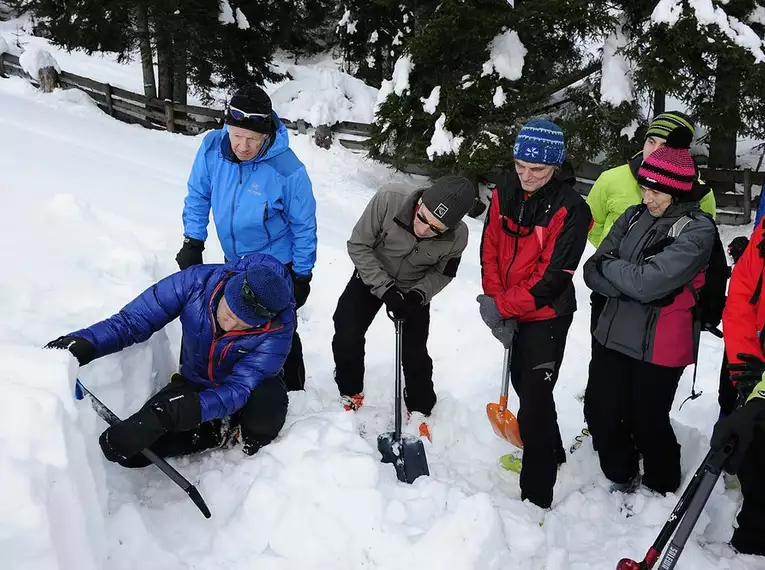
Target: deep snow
91	216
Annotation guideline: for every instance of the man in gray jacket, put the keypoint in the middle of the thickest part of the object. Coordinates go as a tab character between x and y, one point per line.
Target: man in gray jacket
406	248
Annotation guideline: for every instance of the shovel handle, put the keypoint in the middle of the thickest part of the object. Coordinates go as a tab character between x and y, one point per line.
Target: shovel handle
505	378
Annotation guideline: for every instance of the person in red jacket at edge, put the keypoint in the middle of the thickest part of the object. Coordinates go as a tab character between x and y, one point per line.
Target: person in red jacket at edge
743	325
535	234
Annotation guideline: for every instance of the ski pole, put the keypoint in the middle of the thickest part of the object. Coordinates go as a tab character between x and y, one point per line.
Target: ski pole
111	418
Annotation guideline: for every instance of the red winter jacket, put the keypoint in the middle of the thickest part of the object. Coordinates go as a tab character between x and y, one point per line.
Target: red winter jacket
744	314
531	247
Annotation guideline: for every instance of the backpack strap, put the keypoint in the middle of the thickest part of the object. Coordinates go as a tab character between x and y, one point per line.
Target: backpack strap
679	226
634	217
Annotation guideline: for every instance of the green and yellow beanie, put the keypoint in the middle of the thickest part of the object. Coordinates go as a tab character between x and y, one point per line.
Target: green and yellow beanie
674	127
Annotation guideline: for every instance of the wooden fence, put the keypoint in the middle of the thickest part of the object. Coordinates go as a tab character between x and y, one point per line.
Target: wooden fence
733	207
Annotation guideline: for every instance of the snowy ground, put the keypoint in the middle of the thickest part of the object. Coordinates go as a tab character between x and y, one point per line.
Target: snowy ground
96	207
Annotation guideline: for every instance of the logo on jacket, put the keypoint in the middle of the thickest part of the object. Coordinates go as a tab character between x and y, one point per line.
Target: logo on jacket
440	211
254	189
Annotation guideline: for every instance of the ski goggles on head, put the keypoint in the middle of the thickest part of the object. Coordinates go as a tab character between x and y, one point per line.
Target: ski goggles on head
239	115
249	297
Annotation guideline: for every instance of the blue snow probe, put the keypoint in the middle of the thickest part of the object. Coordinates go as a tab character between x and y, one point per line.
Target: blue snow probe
80	391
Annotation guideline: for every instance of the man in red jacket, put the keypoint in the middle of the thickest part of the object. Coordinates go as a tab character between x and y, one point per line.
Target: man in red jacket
535	234
744	327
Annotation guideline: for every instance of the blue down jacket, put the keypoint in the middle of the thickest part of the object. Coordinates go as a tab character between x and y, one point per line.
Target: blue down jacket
229	365
264	205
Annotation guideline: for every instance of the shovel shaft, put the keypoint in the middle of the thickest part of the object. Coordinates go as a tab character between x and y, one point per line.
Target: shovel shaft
397	410
505	379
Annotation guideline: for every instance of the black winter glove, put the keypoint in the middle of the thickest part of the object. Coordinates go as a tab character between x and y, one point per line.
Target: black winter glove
191	253
301	284
489	312
395	301
747	374
737	247
505	331
80	348
738	428
127	438
667	299
414	301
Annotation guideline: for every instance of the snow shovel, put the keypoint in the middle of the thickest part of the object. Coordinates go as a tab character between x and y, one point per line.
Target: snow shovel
502	420
405	451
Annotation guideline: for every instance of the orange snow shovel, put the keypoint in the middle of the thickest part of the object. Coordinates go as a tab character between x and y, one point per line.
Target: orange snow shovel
502	420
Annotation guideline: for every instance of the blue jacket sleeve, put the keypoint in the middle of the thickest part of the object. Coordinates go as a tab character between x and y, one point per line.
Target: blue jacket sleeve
196	207
143	316
265	362
301	207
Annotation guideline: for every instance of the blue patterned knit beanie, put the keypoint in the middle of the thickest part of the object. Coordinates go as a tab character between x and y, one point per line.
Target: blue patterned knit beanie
257	295
540	142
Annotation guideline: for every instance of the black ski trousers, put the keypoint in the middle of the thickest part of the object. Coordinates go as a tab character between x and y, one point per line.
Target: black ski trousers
749	537
627	404
535	363
355	312
294	367
260	420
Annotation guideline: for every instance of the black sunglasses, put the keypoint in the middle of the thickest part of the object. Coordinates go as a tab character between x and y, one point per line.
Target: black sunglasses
252	300
424	220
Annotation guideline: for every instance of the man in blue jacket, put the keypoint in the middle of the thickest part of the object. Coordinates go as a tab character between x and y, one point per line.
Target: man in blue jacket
238	320
261	200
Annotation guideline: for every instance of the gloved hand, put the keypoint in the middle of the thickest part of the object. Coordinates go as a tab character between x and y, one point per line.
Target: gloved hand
301	284
608	256
191	253
489	312
505	331
737	247
414	301
657	248
738	428
667	299
80	348
395	302
747	374
174	413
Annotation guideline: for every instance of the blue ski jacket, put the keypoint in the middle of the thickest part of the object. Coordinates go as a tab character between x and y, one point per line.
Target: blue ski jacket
228	364
263	205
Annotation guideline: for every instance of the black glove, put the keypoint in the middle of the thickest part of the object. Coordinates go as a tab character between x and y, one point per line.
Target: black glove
80	348
191	253
301	284
737	247
173	413
395	301
505	331
609	255
414	302
667	299
489	312
738	429
657	248
747	374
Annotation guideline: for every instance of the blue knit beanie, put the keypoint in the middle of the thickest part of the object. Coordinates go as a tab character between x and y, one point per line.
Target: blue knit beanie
540	142
269	289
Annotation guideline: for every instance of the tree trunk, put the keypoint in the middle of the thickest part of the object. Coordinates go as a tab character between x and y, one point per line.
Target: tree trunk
147	58
180	69
722	138
164	60
659	102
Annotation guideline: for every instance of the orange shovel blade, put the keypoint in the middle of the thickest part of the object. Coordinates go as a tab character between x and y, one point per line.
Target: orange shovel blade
504	423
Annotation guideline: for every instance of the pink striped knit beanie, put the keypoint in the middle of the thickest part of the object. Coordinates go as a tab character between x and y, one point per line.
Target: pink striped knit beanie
669	170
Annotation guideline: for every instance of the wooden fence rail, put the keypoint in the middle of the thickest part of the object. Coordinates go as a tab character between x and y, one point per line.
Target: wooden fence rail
733	207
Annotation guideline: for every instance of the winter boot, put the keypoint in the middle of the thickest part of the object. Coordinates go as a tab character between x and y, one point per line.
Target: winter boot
627	488
352	403
417	424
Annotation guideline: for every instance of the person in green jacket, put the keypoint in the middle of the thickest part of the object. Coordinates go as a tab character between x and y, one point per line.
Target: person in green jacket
617	189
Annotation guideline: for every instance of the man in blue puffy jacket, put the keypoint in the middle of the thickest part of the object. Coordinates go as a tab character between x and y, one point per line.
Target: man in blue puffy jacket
261	200
238	320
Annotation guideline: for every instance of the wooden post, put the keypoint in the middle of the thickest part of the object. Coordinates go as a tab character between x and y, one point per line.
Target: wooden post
169	116
322	137
109	104
302	129
48	78
747	194
2	65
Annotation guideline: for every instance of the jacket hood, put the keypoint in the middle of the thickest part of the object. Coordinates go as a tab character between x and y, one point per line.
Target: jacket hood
278	144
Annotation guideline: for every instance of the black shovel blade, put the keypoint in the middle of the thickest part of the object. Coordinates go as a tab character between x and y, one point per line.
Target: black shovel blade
407	454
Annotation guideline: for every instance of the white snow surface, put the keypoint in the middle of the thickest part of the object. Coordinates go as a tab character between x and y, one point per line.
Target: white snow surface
630	130
616	85
506	56
101	221
241	20
226	14
4	47
33	59
757	16
430	104
499	97
443	141
708	14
